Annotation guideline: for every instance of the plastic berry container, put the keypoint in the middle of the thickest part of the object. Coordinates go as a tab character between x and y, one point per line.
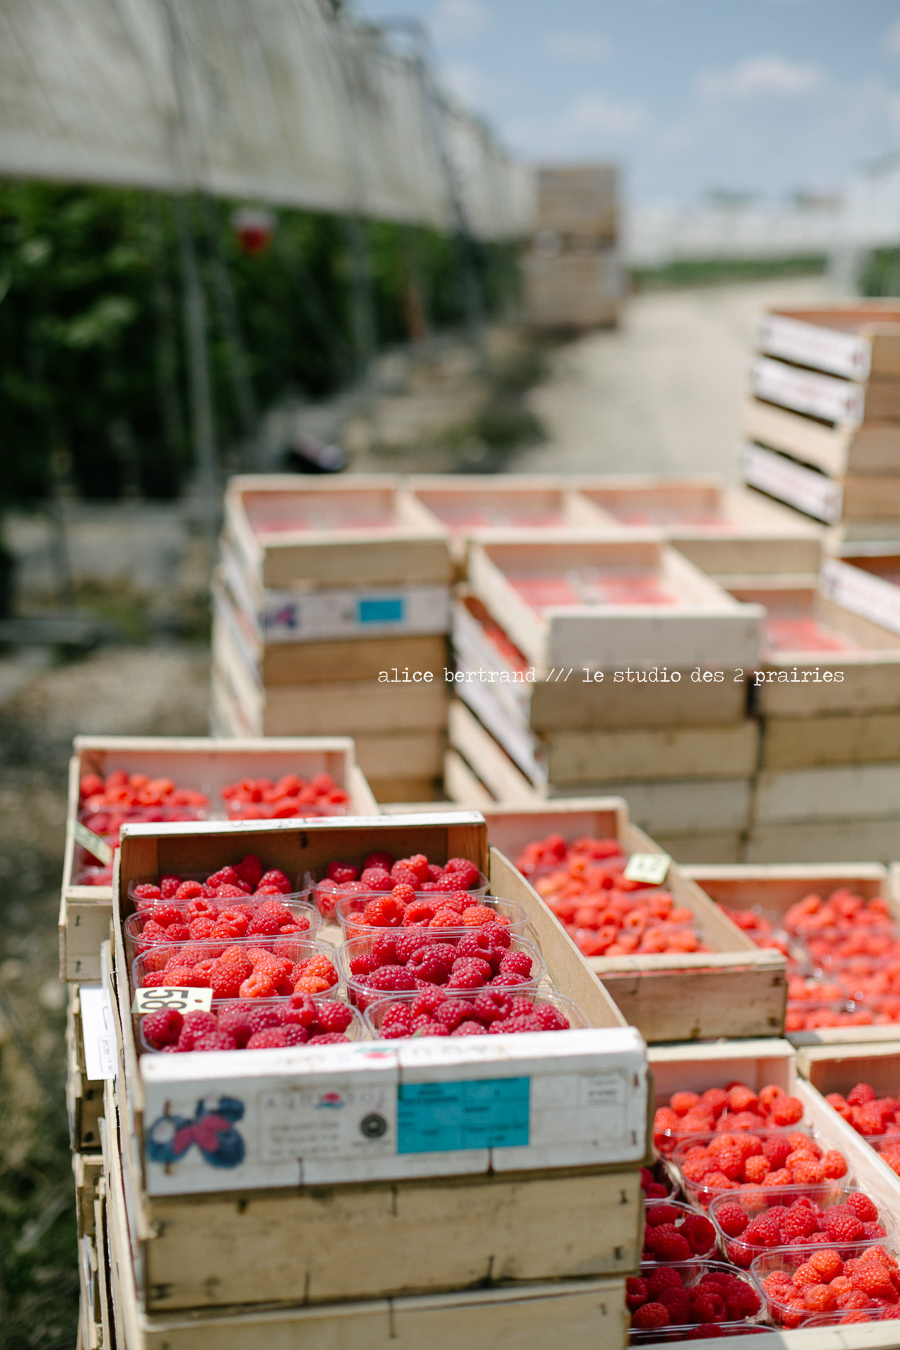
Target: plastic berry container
356	1031
155	959
826	1195
305	915
349	909
691	1273
327	893
789	1260
703	1196
375	1012
684	1212
362	995
301	890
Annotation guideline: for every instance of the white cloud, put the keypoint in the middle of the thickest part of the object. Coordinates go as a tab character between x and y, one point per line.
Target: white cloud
892	38
596	115
760	75
458	20
579	46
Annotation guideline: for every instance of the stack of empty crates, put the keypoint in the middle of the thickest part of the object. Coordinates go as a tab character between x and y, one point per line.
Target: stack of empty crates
587	649
822	417
572	277
331	613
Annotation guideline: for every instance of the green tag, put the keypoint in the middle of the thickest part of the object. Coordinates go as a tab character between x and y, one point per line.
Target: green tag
92	842
648	867
183	1000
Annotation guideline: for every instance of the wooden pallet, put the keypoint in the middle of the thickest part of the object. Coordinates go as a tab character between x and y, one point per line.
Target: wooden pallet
193	762
722	530
358	530
703	626
668	998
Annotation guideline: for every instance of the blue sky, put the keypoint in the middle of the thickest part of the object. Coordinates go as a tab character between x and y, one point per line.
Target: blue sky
768	96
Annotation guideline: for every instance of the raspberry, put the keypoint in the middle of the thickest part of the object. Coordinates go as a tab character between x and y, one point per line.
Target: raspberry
146	891
807	1172
401	873
667	1244
756	1168
236	1021
316	975
376	879
871	1278
463	873
418	863
384	949
516	963
787	1111
332	1016
550	1018
842	1225
776	1150
703	1308
452	1012
819	1298
195	1024
328	1038
390	978
227	891
385	912
426	965
678	1304
780	1177
862	1207
163	1027
663	1277
657	1214
828	1264
342	872
799	1222
732	1219
700	1233
763	1231
469	1028
168	886
363	964
383	860
273	1038
475	916
469	973
681	1102
806	1275
259	984
498	934
730	1161
635	1292
859	1095
741	1098
418	912
834	1164
277	879
407	943
294	1035
215	1040
651	1316
715	1099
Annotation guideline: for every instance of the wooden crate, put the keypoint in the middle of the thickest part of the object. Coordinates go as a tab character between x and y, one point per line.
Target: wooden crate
87	1169
866	580
834	793
795	484
193	762
572	290
579	199
715	846
359	530
856	341
828	398
844	452
838	1068
734	990
699	623
425	792
293	663
84	1096
293	1232
722	530
844	841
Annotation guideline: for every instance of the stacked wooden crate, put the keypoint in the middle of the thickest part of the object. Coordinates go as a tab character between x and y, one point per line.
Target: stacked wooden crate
328	592
319	1229
572	276
822	418
607	662
827	696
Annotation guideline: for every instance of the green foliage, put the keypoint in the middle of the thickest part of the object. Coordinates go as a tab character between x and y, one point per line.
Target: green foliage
93	384
721	271
881	273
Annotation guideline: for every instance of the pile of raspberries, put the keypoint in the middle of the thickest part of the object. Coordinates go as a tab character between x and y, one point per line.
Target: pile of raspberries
300	1020
261	799
381	872
732	1161
239	971
246	878
414	960
663	1300
866	1112
403	908
736	1108
200	919
435	1012
803	1223
826	1284
675	1232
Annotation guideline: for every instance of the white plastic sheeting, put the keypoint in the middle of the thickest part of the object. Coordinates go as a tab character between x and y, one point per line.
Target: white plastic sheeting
274	100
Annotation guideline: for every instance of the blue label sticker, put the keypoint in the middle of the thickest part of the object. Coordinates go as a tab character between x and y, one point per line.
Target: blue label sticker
438	1117
382	611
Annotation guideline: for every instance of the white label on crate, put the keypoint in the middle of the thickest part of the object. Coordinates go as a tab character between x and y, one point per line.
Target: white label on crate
333	1122
575	1107
97	1032
862	593
648	867
808	491
812	344
92	842
182	1000
295	616
822	396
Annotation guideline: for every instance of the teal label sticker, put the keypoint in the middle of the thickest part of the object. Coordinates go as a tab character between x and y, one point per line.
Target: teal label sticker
382	611
483	1113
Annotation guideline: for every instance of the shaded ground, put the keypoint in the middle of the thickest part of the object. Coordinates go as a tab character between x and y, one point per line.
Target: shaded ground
133	690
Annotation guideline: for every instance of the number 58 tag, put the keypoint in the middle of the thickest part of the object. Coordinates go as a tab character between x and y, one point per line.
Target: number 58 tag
648	867
182	1000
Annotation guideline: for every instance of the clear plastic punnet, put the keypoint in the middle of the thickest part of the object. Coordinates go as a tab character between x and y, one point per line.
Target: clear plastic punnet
349	912
470	1012
200	965
300	889
142	931
699	1192
272	1014
773	1273
736	1308
328	893
818	1199
416	960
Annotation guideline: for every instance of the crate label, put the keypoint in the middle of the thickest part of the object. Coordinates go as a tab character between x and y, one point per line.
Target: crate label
812	493
332	1122
837	401
182	1000
477	1113
92	842
648	867
97	1033
862	593
816	345
388	610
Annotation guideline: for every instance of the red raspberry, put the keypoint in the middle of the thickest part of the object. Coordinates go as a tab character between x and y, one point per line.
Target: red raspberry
407	943
787	1111
798	1222
635	1292
265	925
385	912
384	949
146	891
868	1119
426	965
201	928
498	933
390	978
550	1018
699	1232
165	915
295	1035
236	1020
453	1011
376	879
332	1016
733	1219
418	912
678	1304
384	860
277	879
871	1278
195	1024
469	973
426	1002
463	872
363	964
163	1027
763	1231
328	1038
342	872
682	1102
776	1150
516	963
187	890
667	1244
741	1098
273	1038
859	1095
225	876
469	1028
492	1006
153	932
650	1316
862	1207
226	979
657	1214
316	975
228	891
663	1277
400	872
842	1225
215	1040
168	886
418	863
